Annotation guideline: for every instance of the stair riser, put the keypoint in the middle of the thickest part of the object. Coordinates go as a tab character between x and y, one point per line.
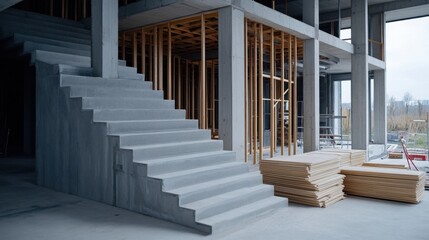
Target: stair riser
31	46
116	84
235	202
203	176
169	137
198	195
128	115
150	126
169	151
18	38
118	103
113	92
188	163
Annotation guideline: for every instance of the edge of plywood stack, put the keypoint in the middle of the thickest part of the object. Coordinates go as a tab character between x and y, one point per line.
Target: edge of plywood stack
306	179
384	183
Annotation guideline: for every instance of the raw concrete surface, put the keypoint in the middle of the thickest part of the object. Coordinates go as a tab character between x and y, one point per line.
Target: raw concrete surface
28	211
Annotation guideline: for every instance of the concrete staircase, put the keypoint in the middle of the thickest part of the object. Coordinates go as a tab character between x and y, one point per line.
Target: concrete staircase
119	142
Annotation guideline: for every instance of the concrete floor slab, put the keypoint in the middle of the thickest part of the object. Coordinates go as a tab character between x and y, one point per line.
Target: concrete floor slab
28	211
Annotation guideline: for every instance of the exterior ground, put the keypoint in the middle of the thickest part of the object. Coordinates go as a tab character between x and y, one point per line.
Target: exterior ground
28	211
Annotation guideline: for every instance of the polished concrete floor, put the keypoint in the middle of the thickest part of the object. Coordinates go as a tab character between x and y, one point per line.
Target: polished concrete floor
31	212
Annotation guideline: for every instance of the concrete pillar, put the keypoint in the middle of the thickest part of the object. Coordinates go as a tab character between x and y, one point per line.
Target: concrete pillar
311	78
359	82
104	28
380	120
231	80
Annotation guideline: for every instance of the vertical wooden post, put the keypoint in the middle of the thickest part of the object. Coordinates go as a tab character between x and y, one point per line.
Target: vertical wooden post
255	91
134	49
187	89
213	99
261	99
151	57
51	8
250	91
173	84
290	97
169	86
63	13
246	89
295	87
179	83
155	58
193	91
282	96
75	10
161	59
66	9
202	86
84	9
143	52
272	113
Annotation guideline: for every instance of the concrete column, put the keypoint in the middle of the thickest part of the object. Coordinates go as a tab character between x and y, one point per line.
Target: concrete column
380	120
104	28
311	78
359	82
231	80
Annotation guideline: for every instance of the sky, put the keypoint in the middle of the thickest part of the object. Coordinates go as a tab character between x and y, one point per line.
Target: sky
407	60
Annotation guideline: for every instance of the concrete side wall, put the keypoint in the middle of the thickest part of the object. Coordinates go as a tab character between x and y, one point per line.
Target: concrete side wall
71	151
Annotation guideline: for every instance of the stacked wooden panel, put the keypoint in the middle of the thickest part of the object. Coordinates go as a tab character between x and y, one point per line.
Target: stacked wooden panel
307	179
384	183
356	157
384	165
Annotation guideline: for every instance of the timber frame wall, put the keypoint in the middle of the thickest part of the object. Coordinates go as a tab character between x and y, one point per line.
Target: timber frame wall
180	57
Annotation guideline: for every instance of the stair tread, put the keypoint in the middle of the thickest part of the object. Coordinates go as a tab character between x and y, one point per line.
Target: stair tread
137	147
226	197
196	170
204	185
98	79
181	157
242	211
126	134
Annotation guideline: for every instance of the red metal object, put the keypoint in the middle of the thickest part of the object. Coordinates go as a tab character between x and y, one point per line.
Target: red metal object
417	156
409	159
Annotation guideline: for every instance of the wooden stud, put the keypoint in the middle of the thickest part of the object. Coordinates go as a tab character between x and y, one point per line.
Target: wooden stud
51	7
272	113
290	94
187	89
63	14
169	85
282	96
202	85
160	59
255	92
155	58
179	83
84	9
261	99
151	57
135	49
295	87
213	93
193	91
143	51
246	89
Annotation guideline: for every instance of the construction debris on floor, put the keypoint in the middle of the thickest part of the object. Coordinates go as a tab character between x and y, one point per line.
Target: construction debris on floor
384	183
307	179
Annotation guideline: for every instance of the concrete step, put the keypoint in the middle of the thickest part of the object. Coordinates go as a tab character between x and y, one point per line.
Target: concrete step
72	70
163	137
203	174
215	187
184	162
19	38
44	27
122	63
28	47
157	151
85	81
129	73
145	126
209	207
125	103
243	214
50	22
8	31
42	17
100	91
137	114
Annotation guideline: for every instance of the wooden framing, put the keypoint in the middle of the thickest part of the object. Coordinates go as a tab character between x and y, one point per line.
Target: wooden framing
202	85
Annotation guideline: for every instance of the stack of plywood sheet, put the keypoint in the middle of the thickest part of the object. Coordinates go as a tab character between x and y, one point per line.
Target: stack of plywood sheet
384	165
384	183
395	155
356	157
307	179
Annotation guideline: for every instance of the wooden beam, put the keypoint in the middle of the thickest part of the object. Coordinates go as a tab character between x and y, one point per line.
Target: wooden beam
290	94
135	49
255	92
155	58
193	92
187	89
295	87
179	83
151	57
213	93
